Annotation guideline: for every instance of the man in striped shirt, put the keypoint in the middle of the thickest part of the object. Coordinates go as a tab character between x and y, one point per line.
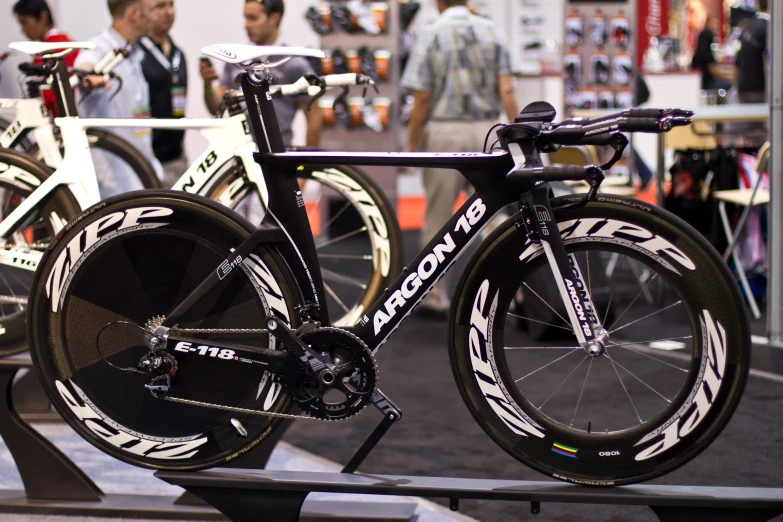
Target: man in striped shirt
460	75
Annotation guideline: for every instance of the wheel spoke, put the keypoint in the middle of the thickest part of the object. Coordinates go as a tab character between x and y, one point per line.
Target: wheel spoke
315	207
582	391
339	278
548	364
564	381
548	305
334	296
336	216
625	389
645	317
340	238
511	348
628	346
616	271
540	322
346	256
606	354
634	300
590	283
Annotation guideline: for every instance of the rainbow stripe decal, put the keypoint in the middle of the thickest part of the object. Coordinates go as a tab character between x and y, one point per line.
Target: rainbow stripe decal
564	450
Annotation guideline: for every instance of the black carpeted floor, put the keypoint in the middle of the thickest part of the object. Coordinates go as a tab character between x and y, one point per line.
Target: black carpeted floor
438	436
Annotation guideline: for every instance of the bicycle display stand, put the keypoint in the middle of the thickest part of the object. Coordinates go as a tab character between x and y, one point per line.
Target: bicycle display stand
243	495
30	400
64	489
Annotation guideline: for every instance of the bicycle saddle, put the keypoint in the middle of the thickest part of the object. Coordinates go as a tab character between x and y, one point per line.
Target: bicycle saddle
536	111
241	54
62	48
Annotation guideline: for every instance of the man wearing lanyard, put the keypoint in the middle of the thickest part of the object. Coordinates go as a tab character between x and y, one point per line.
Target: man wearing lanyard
166	73
130	21
262	24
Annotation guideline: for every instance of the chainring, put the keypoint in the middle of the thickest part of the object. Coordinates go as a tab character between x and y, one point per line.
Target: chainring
351	368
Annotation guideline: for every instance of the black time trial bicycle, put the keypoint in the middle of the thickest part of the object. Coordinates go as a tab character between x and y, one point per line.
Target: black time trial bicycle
171	333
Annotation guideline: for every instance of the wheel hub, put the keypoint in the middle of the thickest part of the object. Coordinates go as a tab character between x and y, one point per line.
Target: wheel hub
597	347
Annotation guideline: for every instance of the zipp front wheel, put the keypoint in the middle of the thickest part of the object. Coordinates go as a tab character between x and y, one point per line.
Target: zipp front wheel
103	287
676	344
356	233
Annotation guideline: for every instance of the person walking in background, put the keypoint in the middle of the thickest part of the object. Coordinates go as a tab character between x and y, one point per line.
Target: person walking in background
704	59
37	23
100	99
165	71
262	24
750	73
460	75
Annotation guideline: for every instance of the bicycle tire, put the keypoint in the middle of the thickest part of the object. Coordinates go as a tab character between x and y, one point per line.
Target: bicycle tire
23	174
109	142
376	212
175	240
558	434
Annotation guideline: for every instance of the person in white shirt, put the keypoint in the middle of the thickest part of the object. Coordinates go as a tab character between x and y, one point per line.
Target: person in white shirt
98	99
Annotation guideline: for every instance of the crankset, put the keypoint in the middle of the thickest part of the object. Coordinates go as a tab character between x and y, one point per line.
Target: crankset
336	380
346	383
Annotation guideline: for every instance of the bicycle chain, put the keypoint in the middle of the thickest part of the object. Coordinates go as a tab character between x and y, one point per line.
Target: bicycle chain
219	330
248	411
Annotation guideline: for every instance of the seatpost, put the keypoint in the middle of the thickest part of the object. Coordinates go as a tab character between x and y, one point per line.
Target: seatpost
261	114
63	92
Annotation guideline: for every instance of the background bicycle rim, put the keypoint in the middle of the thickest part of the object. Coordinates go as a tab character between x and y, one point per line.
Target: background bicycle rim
356	232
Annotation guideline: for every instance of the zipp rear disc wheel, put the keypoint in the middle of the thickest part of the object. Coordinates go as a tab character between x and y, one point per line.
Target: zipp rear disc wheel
127	262
676	346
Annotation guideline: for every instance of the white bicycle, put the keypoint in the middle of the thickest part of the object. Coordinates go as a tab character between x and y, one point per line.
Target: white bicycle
354	224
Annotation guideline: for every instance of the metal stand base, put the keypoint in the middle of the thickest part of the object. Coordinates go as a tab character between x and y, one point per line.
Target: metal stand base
53	484
63	489
243	495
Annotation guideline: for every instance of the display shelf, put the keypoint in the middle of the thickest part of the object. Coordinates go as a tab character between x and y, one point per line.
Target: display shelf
362	138
244	494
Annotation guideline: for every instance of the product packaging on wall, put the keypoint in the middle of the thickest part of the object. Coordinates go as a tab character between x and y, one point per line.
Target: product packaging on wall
365	37
597	62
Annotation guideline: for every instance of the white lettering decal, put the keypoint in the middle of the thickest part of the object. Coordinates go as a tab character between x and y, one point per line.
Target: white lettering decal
145	446
93	235
698	405
484	372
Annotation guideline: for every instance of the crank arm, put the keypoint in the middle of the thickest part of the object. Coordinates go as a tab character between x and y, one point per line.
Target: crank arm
294	343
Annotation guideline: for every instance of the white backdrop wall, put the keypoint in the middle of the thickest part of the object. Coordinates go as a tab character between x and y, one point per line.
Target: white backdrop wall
199	23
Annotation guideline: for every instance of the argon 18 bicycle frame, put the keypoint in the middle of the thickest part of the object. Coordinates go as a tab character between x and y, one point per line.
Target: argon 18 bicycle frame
286	224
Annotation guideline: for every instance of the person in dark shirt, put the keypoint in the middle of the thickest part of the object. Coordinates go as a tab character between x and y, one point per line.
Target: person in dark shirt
36	21
165	71
704	60
262	24
751	78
